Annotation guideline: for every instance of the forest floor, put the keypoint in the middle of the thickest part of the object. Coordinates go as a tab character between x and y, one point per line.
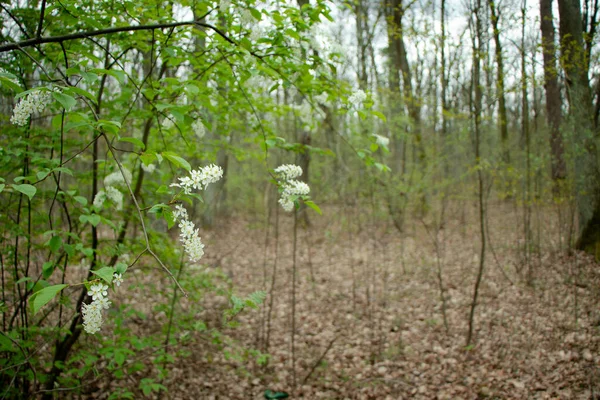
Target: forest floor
369	316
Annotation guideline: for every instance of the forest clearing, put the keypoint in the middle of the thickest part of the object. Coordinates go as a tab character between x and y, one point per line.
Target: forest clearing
319	199
369	316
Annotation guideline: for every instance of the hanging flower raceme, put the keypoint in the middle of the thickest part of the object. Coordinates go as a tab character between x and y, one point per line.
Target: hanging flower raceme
288	171
189	234
199	179
34	102
110	191
92	313
199	128
291	188
357	98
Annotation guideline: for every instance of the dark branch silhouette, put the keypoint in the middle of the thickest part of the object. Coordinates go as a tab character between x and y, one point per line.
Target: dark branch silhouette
83	35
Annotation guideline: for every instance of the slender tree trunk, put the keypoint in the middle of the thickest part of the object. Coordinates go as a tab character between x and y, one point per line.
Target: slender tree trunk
443	79
525	132
553	97
495	14
476	115
395	23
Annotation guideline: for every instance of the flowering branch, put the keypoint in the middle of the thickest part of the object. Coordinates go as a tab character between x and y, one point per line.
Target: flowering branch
137	207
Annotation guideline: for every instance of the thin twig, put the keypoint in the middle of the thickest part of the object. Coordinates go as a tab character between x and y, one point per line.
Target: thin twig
141	216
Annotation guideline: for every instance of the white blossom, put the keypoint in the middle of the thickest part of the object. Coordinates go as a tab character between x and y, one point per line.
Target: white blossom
224	5
246	17
118	279
148	168
357	98
288	171
167	123
115	196
190	237
92	317
291	188
103	303
199	128
382	140
286	204
180	212
99	199
98	291
322	98
34	102
116	178
295	188
200	179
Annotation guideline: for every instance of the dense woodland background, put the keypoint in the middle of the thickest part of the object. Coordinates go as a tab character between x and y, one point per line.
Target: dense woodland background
448	248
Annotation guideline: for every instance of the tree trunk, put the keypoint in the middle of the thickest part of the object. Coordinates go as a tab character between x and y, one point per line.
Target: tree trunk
476	105
587	182
553	98
402	65
500	83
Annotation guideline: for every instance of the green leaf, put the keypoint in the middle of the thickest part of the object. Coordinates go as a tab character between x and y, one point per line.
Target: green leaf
147	158
121	267
379	115
109	126
255	13
55	243
80	199
83	93
93	219
313	206
7	81
192	89
118	75
7	345
135	141
177	160
42	297
105	273
65	100
48	269
271	395
42	174
26	189
2	186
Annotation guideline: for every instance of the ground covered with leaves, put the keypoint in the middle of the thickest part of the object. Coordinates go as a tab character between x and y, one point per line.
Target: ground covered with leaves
369	315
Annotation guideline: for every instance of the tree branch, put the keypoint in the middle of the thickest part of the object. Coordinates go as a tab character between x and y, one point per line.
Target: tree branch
107	31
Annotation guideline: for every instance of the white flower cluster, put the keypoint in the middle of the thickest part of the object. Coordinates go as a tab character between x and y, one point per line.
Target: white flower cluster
110	191
92	313
322	98
199	179
148	168
34	102
190	237
381	140
224	5
116	177
290	187
199	128
357	98
168	123
288	171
